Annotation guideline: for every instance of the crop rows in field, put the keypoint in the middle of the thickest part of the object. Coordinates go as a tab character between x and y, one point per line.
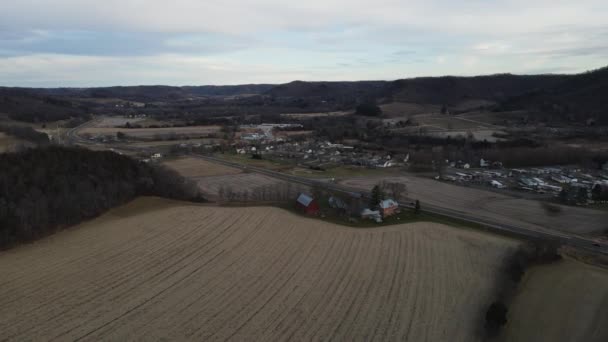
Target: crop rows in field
206	273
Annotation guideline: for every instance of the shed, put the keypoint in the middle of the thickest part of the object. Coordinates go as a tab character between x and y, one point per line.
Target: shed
307	204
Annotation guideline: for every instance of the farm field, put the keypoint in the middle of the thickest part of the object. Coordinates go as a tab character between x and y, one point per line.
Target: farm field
567	301
492	205
195	167
405	109
116	121
165	270
314	115
449	125
6	142
211	185
193	131
161	143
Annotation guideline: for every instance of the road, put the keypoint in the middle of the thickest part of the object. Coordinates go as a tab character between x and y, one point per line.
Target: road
520	232
567	239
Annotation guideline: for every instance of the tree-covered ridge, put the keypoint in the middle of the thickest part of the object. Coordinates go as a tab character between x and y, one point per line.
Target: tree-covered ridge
42	190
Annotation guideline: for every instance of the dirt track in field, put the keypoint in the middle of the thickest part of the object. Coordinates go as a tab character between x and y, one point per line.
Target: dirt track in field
494	206
158	270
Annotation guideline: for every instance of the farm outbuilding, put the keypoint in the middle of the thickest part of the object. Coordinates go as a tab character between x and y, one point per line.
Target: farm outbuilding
307	204
368	214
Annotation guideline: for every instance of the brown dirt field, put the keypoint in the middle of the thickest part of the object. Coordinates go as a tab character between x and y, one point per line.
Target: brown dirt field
313	115
6	142
195	167
159	143
116	121
493	206
186	272
562	302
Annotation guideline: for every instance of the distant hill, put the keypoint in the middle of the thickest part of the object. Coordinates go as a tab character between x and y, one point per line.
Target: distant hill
156	92
554	96
451	90
578	97
26	105
330	90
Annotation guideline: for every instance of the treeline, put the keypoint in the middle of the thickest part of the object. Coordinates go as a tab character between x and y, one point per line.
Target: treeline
43	190
513	271
25	105
25	133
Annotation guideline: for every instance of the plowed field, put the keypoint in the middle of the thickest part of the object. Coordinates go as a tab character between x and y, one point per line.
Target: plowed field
161	270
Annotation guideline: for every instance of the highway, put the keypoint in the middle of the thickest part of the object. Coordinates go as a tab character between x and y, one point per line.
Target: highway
519	232
572	240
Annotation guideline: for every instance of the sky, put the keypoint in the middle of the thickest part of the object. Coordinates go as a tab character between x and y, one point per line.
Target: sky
84	43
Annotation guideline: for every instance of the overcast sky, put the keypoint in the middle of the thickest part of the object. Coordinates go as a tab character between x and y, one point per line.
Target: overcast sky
50	43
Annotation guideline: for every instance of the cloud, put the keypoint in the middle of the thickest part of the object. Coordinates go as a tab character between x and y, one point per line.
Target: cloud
217	41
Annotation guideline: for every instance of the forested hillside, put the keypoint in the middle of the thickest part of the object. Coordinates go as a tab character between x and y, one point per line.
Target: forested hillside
581	97
42	190
451	90
25	133
25	105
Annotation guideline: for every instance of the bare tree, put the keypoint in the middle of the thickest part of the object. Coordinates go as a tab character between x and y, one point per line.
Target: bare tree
439	160
395	190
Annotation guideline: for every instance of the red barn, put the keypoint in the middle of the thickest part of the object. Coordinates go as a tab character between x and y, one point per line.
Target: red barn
389	207
307	204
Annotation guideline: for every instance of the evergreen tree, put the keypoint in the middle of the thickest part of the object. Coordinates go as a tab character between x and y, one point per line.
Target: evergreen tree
377	196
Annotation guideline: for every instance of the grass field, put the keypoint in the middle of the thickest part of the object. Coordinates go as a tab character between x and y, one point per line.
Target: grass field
151	133
211	185
404	109
161	270
247	160
493	206
195	167
346	171
567	301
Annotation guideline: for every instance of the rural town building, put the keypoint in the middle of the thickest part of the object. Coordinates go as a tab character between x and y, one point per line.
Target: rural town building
388	207
307	204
